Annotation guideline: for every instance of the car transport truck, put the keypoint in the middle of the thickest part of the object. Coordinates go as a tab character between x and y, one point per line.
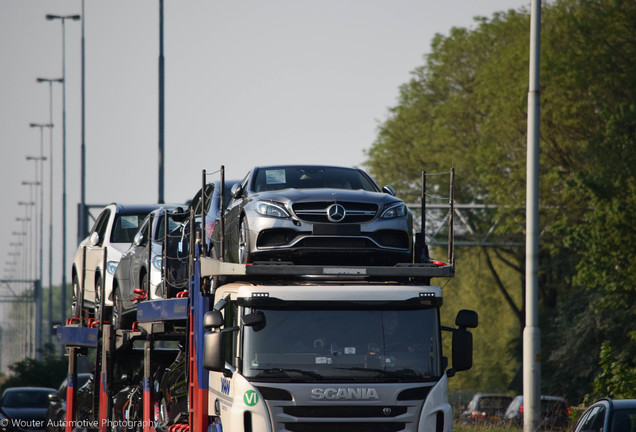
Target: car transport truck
275	346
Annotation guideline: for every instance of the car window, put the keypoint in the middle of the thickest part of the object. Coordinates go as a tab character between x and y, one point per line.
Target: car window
624	420
307	177
100	225
196	201
26	399
125	227
493	403
161	225
144	230
593	420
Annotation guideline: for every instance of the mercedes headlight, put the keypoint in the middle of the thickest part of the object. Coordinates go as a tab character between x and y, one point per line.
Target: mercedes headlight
272	209
393	210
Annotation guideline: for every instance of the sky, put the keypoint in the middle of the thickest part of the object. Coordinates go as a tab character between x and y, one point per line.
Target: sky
246	83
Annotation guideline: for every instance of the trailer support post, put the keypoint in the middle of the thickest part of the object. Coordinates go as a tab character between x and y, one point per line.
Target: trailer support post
71	380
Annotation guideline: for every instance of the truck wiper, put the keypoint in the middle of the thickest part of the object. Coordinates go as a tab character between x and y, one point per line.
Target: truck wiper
313	375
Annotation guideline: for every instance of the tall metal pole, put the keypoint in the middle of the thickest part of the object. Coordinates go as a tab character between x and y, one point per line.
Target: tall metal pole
50	276
161	106
532	333
63	308
82	228
38	297
63	20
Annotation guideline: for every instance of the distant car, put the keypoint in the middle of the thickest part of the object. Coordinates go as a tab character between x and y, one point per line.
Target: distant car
26	405
555	413
139	276
56	411
486	408
608	415
324	213
113	231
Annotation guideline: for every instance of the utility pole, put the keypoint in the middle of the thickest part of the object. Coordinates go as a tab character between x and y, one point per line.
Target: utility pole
161	107
532	332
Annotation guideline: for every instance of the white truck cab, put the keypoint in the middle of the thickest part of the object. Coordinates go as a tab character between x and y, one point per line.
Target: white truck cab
322	355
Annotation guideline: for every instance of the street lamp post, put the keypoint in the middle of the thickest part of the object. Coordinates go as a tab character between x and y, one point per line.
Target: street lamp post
16	254
63	19
50	81
42	158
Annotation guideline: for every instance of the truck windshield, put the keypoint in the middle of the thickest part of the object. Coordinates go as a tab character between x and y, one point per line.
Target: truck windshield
343	345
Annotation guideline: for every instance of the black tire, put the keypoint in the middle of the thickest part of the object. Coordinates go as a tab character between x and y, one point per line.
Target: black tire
243	251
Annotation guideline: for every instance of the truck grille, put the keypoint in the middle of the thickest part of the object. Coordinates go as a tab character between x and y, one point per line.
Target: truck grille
345	427
289	414
345	411
316	212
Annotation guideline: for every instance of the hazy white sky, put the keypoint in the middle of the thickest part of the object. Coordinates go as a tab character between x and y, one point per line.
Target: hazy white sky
247	82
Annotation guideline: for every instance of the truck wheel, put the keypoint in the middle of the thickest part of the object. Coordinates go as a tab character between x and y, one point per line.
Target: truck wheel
244	243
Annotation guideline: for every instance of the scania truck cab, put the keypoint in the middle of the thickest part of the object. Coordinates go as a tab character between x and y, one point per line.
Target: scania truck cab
331	356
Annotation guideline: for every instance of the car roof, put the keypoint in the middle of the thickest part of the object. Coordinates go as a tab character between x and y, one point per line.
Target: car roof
623	403
134	208
545	398
26	388
304	165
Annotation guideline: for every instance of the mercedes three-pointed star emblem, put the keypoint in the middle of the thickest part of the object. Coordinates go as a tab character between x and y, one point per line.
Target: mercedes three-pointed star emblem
336	213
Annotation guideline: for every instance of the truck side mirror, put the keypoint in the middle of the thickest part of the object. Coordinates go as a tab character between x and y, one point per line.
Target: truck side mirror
462	350
212	320
466	319
213	352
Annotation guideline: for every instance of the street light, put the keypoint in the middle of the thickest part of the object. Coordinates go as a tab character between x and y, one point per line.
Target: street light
50	81
63	18
42	158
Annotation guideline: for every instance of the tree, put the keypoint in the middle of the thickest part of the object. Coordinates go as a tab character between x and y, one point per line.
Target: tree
467	108
48	372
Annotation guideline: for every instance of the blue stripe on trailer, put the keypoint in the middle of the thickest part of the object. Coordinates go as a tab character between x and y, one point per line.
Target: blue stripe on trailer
77	336
163	310
200	305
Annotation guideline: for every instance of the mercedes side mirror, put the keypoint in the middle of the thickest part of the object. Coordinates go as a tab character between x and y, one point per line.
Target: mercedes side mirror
388	190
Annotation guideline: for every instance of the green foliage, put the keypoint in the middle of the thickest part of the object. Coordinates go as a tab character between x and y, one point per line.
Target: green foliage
49	372
466	107
473	288
617	379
